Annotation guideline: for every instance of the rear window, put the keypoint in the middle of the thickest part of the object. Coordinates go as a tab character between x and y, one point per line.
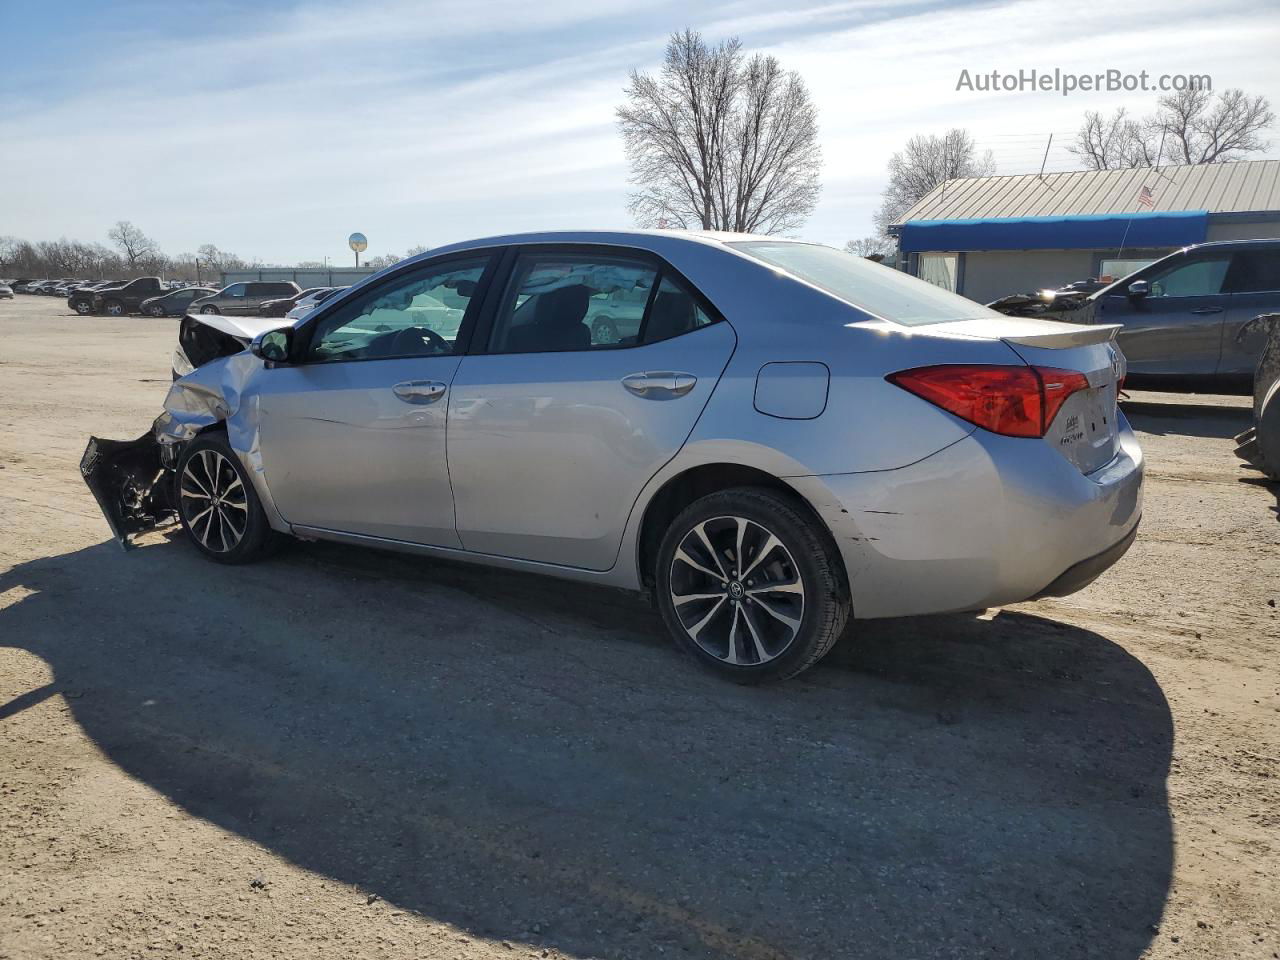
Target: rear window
879	290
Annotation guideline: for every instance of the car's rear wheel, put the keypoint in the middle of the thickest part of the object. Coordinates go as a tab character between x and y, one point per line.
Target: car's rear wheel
208	308
750	585
217	504
113	308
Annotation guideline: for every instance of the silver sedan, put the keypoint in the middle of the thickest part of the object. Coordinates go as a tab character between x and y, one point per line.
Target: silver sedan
789	437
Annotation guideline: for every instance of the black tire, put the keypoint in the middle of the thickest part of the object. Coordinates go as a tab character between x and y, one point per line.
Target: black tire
807	555
114	308
154	311
84	307
208	308
195	478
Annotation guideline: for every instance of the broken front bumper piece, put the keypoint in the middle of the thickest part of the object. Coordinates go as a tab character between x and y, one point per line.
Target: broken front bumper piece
130	481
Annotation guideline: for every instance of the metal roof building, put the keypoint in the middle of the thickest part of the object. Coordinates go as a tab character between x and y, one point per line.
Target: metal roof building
989	236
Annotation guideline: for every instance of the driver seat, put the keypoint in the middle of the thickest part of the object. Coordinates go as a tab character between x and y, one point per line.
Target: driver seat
557	323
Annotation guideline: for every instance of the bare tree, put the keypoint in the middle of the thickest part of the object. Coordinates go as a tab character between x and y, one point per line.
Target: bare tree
720	141
927	162
1188	127
133	243
415	250
1117	142
217	261
10	251
873	248
1202	129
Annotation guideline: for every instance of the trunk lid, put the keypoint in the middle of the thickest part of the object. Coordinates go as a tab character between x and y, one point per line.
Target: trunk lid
1086	429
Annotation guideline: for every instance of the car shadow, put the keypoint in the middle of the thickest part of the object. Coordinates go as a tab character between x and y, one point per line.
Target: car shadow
1163	417
531	760
1271	486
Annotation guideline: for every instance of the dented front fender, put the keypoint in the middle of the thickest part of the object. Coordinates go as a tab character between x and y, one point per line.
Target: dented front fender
133	480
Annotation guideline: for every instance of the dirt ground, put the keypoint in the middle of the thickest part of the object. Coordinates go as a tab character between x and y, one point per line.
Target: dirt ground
342	753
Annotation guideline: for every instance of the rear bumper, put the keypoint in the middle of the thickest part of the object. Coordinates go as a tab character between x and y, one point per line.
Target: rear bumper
988	521
1080	575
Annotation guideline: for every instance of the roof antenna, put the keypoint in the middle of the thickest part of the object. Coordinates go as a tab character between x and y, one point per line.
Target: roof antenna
1046	156
946	167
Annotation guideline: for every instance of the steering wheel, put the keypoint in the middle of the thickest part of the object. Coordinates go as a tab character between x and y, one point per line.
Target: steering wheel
408	342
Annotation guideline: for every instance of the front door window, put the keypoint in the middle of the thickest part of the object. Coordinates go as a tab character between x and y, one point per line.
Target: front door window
418	315
1199	278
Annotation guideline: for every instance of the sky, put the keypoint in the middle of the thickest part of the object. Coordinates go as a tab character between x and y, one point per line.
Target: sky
275	129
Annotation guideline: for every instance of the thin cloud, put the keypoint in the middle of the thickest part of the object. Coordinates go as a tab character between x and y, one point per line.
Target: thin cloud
277	134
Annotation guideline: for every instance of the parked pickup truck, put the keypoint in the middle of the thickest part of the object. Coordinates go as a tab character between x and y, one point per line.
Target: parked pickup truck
118	301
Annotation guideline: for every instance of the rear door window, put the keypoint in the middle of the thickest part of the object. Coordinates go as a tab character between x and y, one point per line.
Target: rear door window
1254	271
558	302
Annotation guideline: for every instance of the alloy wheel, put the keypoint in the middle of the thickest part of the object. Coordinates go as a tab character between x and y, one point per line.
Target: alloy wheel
737	591
213	501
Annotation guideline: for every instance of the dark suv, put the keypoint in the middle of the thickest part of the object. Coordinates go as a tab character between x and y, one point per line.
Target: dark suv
117	301
81	298
1181	316
245	298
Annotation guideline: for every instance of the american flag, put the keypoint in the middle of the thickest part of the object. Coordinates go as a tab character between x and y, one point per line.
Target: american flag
1146	197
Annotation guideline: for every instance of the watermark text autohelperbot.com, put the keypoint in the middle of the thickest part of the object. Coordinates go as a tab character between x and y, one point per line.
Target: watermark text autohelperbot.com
1065	82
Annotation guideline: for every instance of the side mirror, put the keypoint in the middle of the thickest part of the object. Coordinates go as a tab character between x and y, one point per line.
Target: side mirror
272	346
1139	289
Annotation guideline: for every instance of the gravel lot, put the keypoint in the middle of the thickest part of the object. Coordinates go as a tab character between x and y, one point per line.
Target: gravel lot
342	753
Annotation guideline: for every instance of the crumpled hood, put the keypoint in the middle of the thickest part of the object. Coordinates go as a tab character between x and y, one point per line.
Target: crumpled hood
243	328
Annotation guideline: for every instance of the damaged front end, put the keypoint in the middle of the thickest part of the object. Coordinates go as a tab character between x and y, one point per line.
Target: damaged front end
134	481
133	485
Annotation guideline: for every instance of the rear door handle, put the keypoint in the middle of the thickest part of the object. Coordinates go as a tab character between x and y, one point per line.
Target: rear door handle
419	391
1207	310
660	385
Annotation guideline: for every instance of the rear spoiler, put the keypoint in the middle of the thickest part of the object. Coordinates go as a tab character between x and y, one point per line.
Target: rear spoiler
1066	335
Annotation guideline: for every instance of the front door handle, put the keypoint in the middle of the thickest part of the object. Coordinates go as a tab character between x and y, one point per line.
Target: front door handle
1207	310
419	391
661	385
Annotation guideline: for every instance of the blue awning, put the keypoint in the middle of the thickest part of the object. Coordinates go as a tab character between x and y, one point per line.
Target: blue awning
1090	232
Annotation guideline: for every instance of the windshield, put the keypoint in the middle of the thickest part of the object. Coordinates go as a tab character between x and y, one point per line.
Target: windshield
867	285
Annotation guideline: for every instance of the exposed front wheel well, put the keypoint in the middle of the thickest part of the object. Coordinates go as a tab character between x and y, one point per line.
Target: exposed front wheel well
682	490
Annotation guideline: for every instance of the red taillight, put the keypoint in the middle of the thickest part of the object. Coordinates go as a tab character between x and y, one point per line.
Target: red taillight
1014	401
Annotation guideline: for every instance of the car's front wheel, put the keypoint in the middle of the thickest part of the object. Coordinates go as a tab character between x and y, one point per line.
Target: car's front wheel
750	585
208	308
217	504
83	307
154	311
